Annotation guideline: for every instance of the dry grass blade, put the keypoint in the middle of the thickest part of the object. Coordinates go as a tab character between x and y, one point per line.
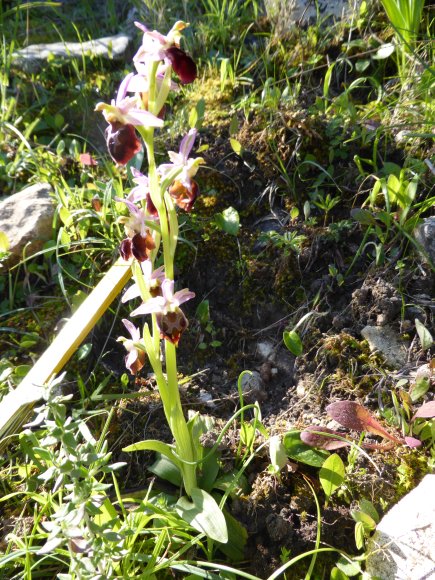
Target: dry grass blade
17	405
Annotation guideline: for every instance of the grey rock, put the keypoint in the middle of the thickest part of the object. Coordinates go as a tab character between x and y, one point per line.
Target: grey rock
287	13
32	58
386	340
403	546
253	387
425	235
26	218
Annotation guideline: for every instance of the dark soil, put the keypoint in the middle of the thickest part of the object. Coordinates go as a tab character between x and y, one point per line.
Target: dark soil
257	290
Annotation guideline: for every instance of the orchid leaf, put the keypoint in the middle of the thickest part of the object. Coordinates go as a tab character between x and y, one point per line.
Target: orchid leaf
155	445
331	474
426	411
166	469
203	513
313	437
301	452
237	538
354	416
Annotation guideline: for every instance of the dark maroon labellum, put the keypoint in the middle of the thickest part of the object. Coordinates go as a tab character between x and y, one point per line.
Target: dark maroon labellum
183	65
125	249
141	246
122	142
172	325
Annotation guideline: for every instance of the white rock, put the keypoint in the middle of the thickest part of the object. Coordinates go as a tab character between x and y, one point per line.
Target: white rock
33	57
26	218
206	398
265	350
403	546
386	340
287	13
300	388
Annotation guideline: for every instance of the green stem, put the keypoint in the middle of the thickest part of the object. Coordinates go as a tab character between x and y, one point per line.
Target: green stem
178	422
168	386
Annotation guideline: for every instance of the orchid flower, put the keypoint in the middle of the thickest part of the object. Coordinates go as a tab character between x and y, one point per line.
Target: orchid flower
157	47
170	318
184	189
142	192
135	359
153	282
140	84
139	242
123	114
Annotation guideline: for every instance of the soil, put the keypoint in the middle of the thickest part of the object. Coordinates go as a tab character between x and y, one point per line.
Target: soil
257	290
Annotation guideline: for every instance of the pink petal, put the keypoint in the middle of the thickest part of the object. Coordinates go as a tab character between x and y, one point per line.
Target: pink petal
426	411
134	332
132	292
143	118
168	289
141	26
130	359
412	442
156	304
138	84
187	143
183	296
123	87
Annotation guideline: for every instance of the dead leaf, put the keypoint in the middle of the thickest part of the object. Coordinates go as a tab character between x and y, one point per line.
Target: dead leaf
354	416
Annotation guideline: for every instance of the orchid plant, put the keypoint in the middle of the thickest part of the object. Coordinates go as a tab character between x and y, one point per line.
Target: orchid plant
151	232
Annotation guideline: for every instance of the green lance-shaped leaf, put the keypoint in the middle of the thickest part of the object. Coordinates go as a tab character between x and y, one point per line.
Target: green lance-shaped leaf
155	445
203	513
331	474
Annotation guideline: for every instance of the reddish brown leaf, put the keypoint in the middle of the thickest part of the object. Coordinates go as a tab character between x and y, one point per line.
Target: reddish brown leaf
312	436
426	411
354	416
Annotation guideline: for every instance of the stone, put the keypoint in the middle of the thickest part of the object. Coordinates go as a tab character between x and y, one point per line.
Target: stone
384	339
253	387
27	220
266	350
285	14
32	58
424	234
403	546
